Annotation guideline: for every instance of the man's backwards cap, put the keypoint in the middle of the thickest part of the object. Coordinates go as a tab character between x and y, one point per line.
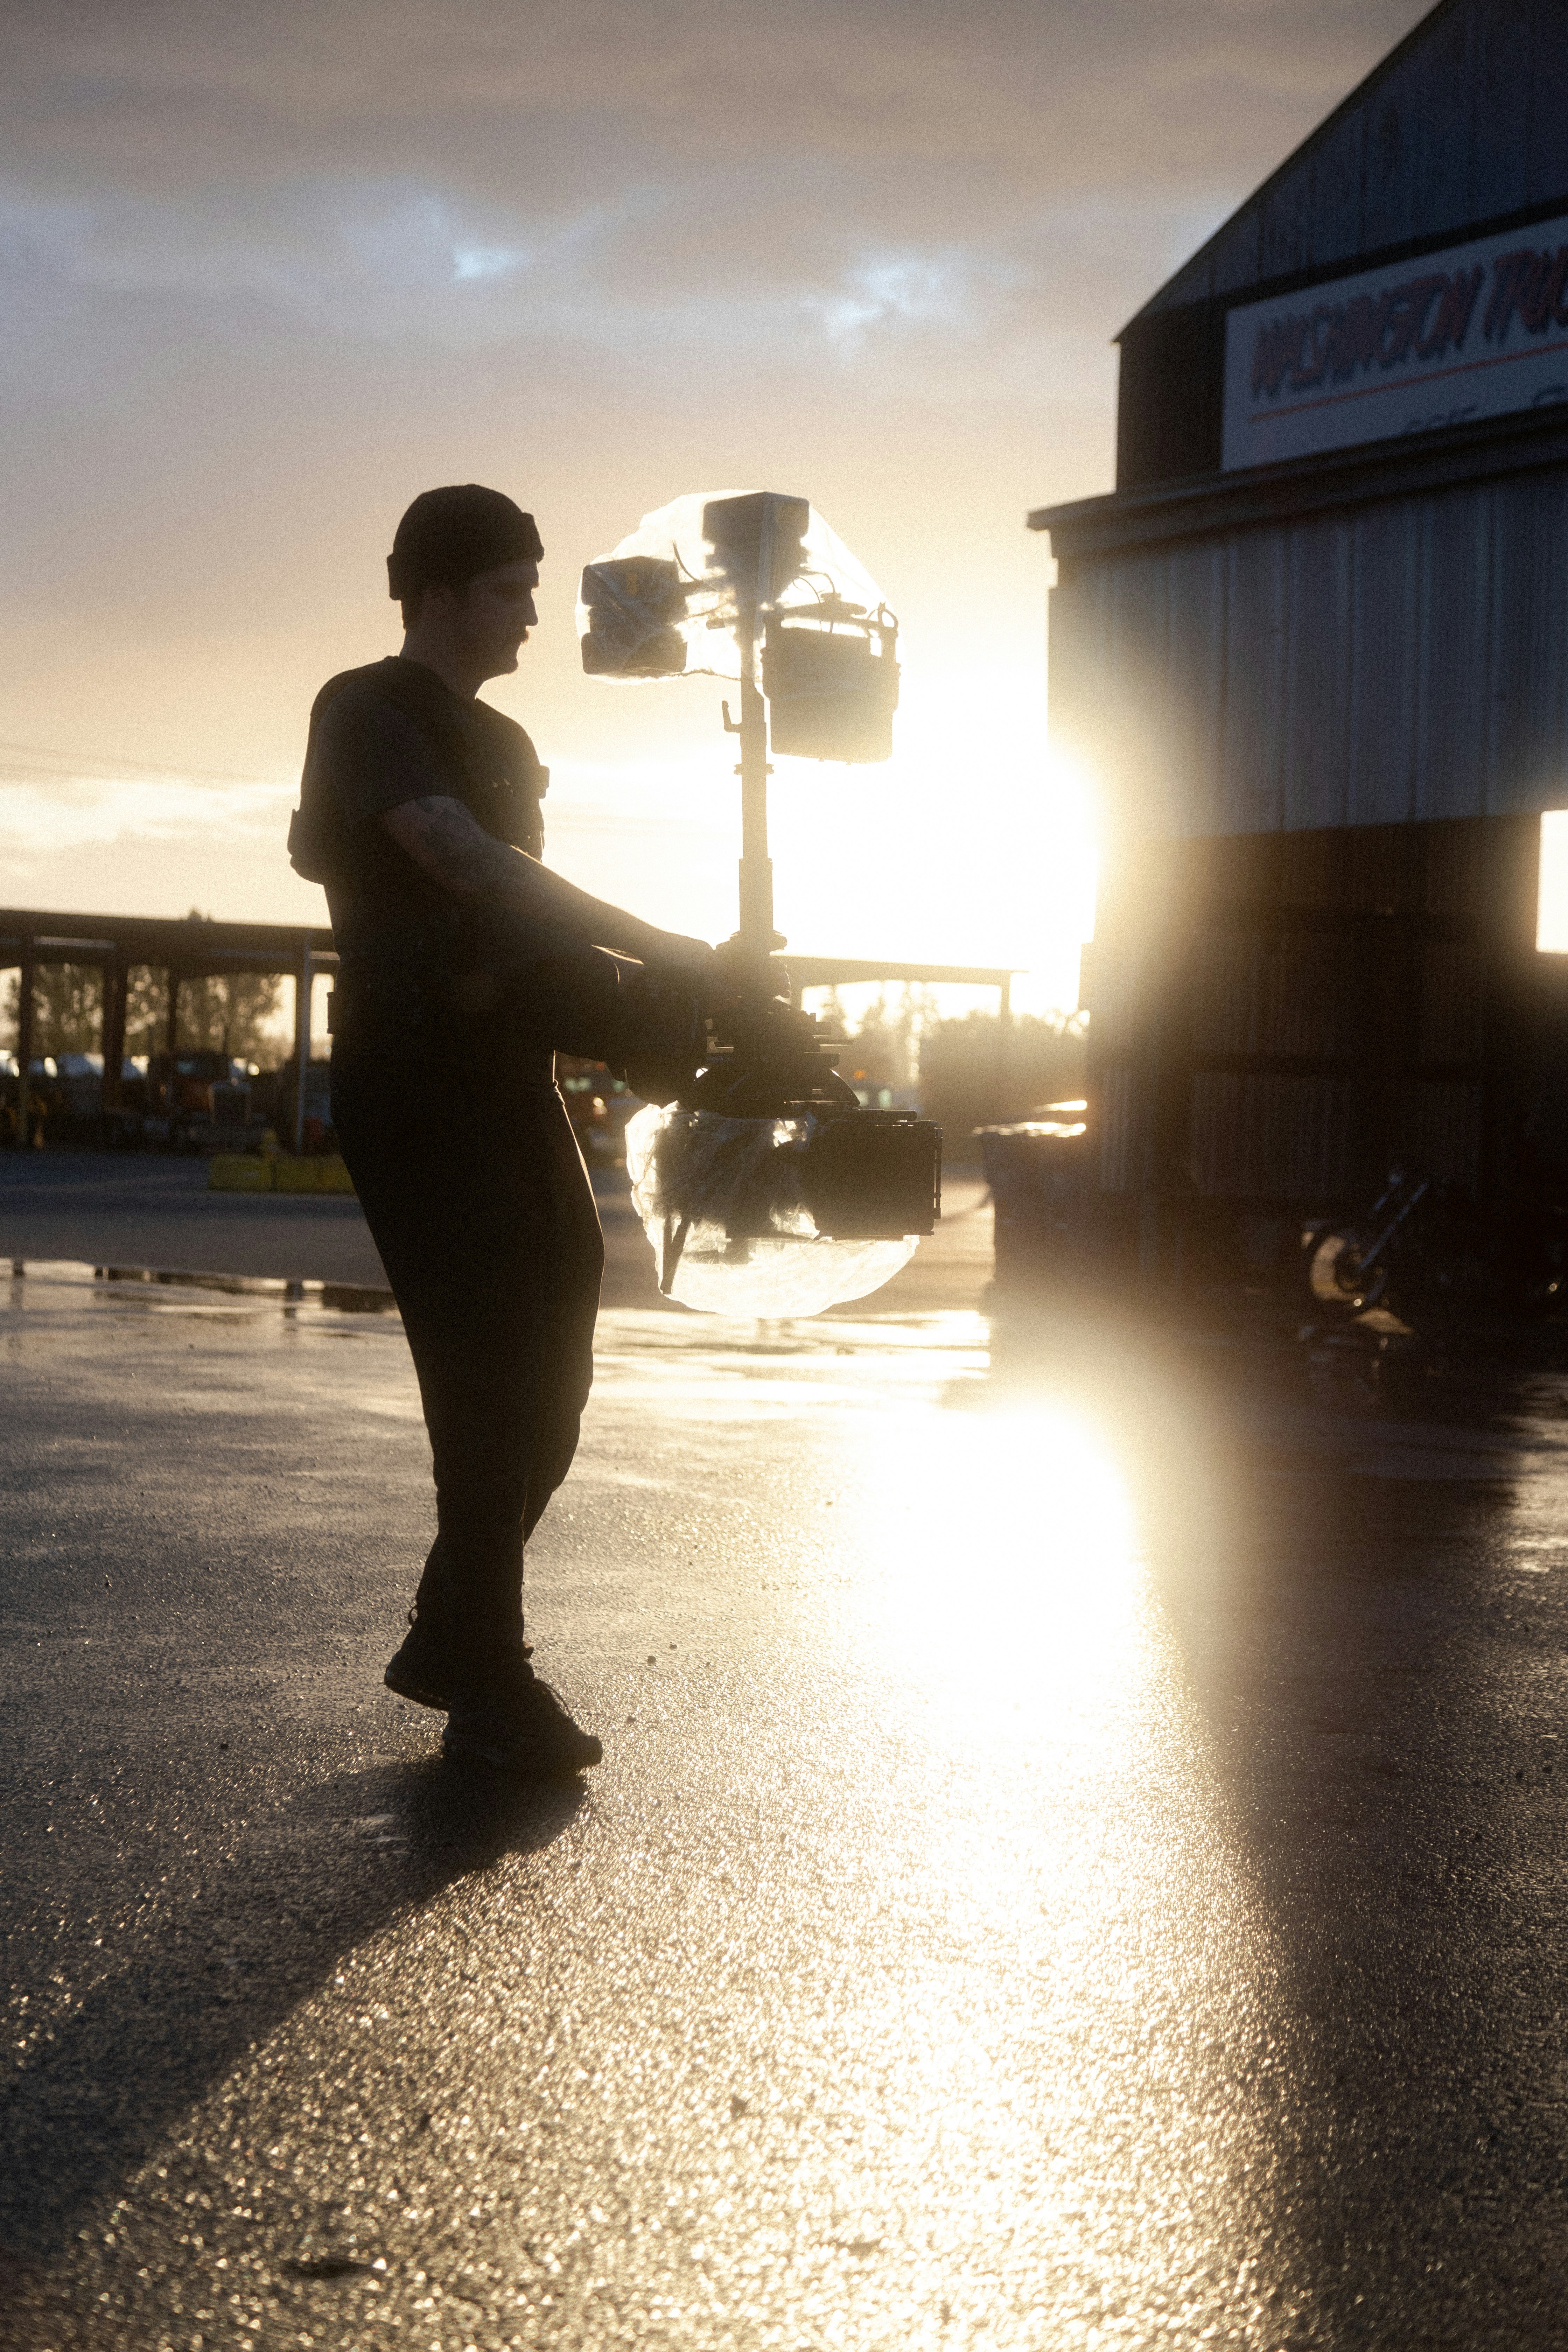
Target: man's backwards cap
448	536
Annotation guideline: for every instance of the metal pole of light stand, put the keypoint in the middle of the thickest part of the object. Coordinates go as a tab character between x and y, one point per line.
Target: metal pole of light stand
756	866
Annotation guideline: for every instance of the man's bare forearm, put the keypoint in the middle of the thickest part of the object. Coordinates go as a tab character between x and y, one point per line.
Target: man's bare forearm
447	842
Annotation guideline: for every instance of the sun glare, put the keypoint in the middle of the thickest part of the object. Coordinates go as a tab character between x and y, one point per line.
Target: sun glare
1007	1537
974	845
1551	898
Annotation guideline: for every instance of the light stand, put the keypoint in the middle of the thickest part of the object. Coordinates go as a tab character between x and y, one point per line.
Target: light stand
790	1193
761	536
754	768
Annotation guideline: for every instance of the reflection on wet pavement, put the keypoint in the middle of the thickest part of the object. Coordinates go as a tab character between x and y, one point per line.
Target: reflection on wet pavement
1076	1862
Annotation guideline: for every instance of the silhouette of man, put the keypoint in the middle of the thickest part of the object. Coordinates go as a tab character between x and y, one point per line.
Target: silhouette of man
464	965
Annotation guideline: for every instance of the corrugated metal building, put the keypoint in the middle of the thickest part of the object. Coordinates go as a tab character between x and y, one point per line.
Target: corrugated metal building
1313	653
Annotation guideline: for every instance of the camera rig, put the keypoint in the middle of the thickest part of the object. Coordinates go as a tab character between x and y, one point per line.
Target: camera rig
765	1148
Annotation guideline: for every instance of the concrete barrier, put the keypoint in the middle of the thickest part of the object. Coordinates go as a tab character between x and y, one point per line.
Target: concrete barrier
276	1171
240	1172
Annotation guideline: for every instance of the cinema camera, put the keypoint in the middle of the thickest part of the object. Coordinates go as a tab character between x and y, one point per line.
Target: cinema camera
764	1186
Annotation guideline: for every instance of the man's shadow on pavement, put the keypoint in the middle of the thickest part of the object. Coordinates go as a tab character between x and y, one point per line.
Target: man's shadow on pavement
344	1859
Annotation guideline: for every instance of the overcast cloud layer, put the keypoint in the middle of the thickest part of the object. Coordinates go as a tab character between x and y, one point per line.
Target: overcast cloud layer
268	269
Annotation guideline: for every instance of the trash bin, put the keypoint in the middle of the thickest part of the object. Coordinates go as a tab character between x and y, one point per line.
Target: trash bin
1038	1172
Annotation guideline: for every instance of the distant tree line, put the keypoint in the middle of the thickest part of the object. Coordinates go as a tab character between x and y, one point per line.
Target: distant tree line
980	1071
975	1070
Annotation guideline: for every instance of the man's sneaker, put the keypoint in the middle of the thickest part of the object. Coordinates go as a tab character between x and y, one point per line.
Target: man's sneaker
525	1731
431	1664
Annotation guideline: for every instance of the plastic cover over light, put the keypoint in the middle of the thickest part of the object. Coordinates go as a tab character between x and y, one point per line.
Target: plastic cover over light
721	1200
691	589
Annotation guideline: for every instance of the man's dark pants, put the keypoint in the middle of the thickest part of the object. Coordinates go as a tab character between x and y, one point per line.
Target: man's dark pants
476	1198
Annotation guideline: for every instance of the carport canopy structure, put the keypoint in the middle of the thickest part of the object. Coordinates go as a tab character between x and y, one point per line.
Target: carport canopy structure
196	948
843	971
193	948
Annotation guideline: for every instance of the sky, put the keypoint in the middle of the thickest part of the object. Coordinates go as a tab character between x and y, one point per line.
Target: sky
267	269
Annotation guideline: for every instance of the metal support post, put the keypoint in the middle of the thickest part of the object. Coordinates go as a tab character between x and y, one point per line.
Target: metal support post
115	978
301	1044
23	1039
171	1036
1004	1047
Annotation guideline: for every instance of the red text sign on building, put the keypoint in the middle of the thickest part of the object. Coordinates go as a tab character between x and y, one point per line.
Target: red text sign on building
1479	331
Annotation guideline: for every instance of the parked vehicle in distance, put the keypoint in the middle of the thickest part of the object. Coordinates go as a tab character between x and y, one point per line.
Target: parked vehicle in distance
598	1107
43	1096
184	1082
198	1101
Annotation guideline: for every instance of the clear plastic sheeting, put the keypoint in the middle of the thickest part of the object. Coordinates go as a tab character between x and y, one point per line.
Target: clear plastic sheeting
667	599
721	1200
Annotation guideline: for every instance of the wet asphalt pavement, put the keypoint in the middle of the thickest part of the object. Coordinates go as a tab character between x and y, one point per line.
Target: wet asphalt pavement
1078	1862
153	1210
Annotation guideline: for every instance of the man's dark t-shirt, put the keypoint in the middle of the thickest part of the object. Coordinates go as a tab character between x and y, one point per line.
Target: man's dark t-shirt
413	958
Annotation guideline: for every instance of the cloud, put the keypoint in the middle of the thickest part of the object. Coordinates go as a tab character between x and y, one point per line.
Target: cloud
175	90
576	173
914	290
471	261
368	259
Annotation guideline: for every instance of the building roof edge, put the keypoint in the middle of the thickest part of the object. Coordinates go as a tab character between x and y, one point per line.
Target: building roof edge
1418	32
1118	521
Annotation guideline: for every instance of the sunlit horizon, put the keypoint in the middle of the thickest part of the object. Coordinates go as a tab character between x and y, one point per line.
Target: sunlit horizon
974	845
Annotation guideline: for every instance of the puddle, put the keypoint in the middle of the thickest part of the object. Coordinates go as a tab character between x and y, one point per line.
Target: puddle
332	1297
